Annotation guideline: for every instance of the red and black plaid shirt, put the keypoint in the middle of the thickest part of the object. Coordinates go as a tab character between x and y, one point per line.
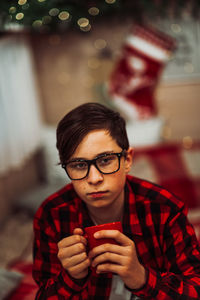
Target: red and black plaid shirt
153	218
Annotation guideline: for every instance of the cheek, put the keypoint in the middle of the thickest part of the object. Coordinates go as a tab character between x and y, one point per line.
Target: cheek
79	187
119	179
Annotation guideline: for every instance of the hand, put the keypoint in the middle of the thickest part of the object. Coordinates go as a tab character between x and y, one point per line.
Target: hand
120	259
72	254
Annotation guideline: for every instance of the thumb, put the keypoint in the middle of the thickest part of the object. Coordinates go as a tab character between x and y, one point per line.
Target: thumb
78	231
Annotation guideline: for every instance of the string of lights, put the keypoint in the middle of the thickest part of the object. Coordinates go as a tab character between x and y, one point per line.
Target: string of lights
63	15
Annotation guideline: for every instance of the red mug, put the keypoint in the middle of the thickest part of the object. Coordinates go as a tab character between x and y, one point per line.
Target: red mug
93	242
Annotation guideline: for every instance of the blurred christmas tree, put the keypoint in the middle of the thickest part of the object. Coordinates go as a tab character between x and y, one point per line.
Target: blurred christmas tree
62	15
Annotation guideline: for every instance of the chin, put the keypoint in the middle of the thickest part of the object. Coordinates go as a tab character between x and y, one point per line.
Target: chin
101	204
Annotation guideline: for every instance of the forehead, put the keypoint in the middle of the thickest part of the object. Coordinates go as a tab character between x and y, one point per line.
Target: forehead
95	143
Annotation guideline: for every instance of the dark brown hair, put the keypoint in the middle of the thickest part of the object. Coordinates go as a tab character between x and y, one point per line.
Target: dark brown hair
83	119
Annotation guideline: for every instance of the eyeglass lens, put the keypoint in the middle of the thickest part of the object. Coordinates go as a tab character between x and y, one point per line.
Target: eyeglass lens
105	164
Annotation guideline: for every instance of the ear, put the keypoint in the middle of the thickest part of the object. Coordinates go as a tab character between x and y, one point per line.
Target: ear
129	159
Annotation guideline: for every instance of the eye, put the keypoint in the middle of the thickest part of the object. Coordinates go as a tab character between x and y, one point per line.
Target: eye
106	160
77	165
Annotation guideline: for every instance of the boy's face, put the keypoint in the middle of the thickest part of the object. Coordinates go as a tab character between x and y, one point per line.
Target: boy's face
99	190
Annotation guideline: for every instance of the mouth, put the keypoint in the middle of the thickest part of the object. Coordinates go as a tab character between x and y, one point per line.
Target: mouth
99	194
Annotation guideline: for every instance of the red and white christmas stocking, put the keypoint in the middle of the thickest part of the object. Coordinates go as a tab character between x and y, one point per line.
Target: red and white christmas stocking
133	80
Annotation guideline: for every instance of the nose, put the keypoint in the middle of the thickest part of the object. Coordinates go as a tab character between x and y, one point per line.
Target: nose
94	175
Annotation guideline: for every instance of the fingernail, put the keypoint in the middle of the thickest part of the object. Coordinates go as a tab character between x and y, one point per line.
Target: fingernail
96	234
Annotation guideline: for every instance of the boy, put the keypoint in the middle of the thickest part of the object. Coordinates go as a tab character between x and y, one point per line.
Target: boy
157	255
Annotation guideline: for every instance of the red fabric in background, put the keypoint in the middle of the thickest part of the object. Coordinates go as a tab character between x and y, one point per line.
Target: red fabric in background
172	171
28	288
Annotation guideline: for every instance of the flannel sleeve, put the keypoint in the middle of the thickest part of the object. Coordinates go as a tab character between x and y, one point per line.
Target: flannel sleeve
53	280
181	279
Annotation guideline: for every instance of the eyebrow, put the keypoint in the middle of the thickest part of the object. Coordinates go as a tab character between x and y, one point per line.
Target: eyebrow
96	156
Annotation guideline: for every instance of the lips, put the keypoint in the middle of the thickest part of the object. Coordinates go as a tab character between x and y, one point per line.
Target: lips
97	194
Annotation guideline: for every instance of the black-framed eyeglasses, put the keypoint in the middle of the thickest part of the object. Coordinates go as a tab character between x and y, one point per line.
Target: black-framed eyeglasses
108	163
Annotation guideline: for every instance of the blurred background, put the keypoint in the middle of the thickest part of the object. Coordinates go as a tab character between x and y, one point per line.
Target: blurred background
138	57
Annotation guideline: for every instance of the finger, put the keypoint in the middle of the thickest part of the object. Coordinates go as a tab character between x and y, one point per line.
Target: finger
109	267
108	257
72	240
74	270
114	234
117	249
71	251
74	260
78	231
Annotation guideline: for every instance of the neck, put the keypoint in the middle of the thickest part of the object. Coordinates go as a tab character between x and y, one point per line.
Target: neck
114	213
